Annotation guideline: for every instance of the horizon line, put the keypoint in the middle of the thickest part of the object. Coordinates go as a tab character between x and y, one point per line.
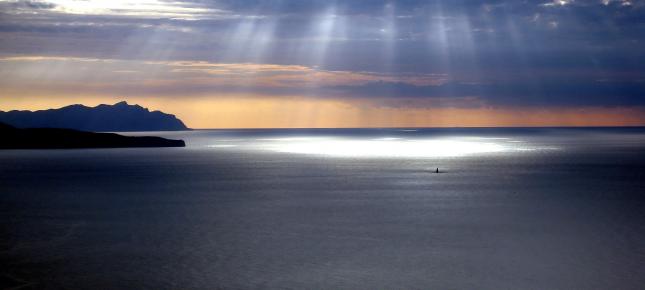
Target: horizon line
415	128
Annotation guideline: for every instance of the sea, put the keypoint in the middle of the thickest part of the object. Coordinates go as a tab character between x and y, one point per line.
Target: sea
453	208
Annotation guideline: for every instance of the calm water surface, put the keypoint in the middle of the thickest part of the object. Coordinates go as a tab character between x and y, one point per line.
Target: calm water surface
331	209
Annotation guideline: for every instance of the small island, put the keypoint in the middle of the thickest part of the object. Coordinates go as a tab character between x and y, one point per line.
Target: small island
56	138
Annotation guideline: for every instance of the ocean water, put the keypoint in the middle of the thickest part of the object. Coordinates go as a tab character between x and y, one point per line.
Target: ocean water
331	209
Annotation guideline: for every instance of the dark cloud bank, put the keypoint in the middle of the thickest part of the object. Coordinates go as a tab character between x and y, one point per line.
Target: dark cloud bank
542	53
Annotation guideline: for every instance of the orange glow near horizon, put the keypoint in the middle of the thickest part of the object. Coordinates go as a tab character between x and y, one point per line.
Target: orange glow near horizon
185	89
303	112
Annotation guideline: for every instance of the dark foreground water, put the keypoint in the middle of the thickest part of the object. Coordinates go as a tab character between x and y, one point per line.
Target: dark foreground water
331	209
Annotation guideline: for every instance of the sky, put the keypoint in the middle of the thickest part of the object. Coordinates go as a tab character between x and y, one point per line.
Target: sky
325	63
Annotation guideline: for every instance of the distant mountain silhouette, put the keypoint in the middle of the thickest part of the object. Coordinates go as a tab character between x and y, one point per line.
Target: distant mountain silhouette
102	118
51	138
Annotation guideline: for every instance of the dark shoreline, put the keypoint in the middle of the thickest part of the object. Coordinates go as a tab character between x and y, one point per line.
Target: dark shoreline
54	138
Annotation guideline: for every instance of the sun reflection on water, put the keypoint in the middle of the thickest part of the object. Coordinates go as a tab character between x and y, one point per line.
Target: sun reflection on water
385	147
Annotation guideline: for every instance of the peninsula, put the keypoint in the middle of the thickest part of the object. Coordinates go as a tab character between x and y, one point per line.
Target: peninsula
56	138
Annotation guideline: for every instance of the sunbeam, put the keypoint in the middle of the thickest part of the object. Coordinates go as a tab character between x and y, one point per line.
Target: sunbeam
403	57
323	34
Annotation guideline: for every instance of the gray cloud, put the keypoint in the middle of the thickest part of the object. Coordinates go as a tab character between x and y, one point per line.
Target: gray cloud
517	52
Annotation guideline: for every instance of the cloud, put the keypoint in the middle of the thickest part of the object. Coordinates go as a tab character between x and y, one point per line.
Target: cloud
121	8
31	5
172	78
465	53
527	93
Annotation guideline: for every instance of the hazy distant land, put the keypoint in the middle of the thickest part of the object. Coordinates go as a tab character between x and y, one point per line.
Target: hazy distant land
120	117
